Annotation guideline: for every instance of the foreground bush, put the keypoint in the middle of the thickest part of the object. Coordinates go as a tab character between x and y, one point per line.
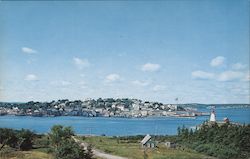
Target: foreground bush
19	139
69	150
65	147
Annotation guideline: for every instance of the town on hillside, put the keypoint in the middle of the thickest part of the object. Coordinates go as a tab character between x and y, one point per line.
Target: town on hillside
108	107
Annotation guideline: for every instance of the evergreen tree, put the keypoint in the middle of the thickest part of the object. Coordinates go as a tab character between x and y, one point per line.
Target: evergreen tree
227	141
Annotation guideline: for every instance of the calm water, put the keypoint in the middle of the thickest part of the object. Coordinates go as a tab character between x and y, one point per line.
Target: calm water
119	126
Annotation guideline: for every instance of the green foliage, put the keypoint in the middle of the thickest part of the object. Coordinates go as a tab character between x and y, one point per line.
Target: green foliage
222	141
8	137
134	151
65	147
20	139
59	133
42	141
70	150
25	139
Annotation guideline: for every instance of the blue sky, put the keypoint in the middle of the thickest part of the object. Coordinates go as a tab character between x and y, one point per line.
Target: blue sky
197	51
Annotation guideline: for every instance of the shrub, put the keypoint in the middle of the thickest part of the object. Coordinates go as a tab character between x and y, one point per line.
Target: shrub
69	150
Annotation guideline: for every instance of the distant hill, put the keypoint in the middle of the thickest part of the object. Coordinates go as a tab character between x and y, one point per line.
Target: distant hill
221	106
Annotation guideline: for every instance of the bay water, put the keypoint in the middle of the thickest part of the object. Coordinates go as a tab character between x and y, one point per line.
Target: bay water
121	126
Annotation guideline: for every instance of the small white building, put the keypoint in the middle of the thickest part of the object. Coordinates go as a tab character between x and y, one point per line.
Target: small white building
170	144
121	107
136	106
147	142
99	110
164	113
144	112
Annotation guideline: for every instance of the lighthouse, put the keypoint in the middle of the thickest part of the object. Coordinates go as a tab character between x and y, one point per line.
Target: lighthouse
212	116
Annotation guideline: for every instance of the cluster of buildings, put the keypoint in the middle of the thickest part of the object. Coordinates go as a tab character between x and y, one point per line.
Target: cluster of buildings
93	108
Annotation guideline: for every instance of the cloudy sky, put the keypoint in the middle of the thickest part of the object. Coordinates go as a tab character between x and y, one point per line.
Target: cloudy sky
197	51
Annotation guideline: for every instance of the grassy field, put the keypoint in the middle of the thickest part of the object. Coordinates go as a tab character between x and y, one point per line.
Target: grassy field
35	154
132	150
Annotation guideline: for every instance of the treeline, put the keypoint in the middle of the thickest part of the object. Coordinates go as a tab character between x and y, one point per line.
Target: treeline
60	142
225	141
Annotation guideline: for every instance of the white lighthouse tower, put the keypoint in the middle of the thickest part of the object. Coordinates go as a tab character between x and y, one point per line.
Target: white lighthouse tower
212	116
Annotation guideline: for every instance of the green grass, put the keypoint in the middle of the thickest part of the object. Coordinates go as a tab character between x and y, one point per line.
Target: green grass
37	153
132	150
34	154
127	148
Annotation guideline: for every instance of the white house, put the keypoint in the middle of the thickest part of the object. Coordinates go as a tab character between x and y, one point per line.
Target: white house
147	142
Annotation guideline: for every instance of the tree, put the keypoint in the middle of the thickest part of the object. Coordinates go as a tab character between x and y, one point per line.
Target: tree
59	133
21	139
70	150
226	140
65	147
179	131
25	139
7	137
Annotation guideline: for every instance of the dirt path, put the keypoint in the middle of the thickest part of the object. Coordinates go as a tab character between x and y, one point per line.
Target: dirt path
99	153
105	155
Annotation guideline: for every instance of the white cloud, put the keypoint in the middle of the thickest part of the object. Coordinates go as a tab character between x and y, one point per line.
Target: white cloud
247	77
202	75
82	75
81	63
112	78
223	76
30	98
218	61
238	66
65	83
31	77
61	83
28	50
157	88
82	84
230	76
150	67
141	83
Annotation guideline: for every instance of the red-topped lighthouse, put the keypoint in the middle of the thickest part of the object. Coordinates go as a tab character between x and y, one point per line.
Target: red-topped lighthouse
212	116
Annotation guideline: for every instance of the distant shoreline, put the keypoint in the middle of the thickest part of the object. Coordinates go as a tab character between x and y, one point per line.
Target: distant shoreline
113	117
